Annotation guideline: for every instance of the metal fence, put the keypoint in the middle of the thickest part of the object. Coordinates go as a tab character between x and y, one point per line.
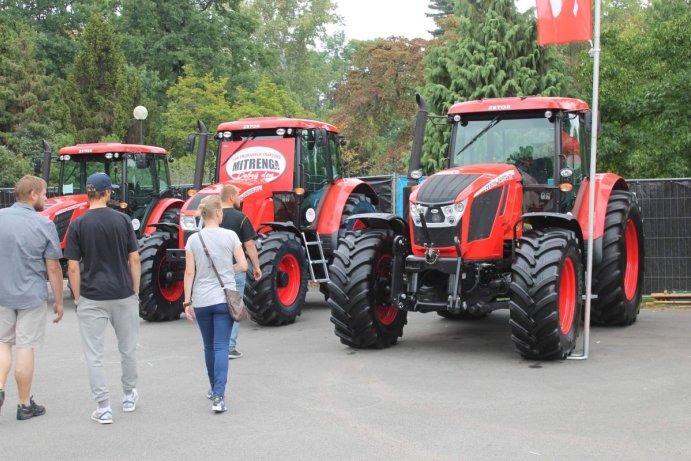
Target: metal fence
666	207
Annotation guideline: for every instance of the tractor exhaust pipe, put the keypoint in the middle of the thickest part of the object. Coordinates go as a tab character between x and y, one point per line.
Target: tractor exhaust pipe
418	138
47	154
201	156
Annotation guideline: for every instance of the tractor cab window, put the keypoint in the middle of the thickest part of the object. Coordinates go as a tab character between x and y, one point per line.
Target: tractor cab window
142	182
76	168
313	162
334	150
163	173
526	142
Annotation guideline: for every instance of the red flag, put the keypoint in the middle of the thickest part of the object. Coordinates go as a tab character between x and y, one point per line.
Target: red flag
562	21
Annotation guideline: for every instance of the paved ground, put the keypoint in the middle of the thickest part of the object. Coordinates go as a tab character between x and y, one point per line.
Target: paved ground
448	391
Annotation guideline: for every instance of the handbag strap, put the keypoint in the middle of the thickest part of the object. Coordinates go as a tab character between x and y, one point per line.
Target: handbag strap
213	266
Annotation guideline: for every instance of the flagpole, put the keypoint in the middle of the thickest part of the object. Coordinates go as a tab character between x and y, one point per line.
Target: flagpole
595	53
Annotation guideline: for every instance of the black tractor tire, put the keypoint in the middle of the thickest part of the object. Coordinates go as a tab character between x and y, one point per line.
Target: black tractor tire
277	298
357	203
358	291
171	215
160	296
618	278
546	294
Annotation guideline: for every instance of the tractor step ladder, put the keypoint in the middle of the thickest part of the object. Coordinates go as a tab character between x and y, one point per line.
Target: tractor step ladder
319	269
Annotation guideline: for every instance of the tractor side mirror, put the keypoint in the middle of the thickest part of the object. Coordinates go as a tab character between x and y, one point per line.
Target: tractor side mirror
345	165
38	166
171	159
321	138
588	122
189	144
342	141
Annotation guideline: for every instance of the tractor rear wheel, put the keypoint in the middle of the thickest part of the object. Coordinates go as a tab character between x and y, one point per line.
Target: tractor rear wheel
161	290
277	298
546	294
618	279
359	290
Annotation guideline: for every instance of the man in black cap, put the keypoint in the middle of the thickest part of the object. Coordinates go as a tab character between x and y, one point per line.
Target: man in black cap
106	291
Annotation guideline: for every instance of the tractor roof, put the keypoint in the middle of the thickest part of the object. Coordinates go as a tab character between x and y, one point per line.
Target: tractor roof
273	122
516	104
105	147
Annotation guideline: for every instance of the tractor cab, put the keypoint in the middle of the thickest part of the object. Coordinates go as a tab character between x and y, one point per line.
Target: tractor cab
544	138
296	161
140	173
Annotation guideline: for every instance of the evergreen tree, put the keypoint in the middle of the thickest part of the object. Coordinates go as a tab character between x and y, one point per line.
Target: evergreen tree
442	9
494	53
101	91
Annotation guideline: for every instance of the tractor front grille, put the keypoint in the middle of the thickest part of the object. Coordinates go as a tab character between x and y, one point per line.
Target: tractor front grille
482	214
440	236
62	222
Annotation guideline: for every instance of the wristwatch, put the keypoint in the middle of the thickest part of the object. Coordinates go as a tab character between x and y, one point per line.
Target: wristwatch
186	304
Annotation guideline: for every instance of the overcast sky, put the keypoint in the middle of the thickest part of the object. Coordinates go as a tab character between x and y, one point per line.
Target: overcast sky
368	19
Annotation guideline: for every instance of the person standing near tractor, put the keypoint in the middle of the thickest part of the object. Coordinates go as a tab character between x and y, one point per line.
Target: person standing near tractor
107	291
30	249
209	269
238	222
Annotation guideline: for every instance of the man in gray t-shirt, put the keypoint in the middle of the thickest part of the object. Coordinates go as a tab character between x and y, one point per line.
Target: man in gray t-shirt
31	251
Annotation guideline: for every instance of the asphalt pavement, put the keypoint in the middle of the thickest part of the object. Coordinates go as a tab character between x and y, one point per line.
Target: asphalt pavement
450	390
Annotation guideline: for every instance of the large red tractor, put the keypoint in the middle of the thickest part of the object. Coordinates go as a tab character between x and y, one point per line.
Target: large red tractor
504	226
290	177
144	193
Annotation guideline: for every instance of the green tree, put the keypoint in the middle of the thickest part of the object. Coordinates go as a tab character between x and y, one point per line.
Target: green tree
645	90
268	99
442	9
100	90
494	53
291	31
376	105
193	98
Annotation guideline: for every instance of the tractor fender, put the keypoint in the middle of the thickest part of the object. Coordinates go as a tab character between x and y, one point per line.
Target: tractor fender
279	226
564	221
157	212
605	183
382	221
335	200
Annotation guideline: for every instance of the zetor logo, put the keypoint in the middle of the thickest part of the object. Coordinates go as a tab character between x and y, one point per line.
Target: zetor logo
501	107
256	163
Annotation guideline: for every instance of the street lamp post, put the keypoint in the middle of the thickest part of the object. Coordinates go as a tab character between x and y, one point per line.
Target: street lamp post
140	113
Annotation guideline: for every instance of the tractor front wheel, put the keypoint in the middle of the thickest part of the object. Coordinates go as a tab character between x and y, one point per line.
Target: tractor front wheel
277	298
360	288
546	294
618	278
161	290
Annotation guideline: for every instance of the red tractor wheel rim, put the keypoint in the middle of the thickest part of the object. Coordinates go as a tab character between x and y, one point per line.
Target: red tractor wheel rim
173	290
385	314
567	296
632	261
288	293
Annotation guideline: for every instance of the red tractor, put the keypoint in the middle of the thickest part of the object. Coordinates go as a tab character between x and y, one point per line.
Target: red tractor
505	226
144	193
290	177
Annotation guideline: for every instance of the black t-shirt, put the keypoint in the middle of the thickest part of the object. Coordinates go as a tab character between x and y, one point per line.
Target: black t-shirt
236	221
102	240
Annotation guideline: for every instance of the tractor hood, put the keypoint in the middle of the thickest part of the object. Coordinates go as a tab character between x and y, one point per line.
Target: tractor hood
456	184
59	205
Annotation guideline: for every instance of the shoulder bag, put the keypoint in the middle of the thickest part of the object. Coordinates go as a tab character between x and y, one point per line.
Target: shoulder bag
236	306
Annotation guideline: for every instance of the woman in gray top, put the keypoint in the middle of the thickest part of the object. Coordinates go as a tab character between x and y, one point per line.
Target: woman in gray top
205	299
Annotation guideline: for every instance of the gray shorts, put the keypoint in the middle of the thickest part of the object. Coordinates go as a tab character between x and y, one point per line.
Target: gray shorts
23	328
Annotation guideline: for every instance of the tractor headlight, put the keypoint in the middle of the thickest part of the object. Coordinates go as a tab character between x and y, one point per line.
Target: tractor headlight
460	207
188	223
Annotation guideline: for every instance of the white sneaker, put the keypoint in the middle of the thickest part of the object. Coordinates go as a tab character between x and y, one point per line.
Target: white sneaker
129	402
103	416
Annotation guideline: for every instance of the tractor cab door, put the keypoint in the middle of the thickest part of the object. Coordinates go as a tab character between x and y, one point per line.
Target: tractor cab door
573	159
320	166
146	178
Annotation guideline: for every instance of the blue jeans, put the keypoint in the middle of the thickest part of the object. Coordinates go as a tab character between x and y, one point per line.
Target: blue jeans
215	324
240	279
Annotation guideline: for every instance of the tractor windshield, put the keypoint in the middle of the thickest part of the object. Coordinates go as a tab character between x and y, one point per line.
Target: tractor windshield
76	168
526	142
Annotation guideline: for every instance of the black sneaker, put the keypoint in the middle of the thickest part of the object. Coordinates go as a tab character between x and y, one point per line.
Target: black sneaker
2	398
30	410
